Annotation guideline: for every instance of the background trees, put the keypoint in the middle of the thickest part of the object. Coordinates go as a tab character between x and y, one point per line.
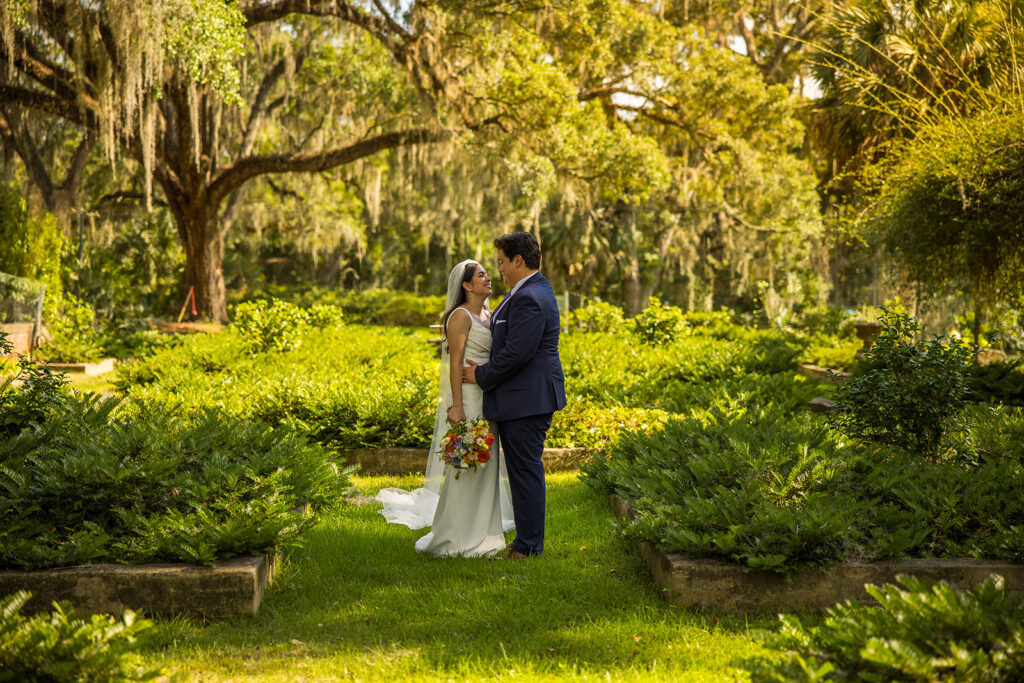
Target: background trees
654	148
161	83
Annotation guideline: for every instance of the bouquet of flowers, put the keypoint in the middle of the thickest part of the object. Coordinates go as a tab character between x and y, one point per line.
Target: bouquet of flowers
467	445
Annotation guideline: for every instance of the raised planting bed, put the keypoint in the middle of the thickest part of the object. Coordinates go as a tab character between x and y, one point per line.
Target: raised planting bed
820	405
188	327
99	367
711	584
407	460
822	374
230	587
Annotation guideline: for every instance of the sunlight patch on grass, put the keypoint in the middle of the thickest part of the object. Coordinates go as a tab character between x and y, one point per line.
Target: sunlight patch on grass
359	602
97	384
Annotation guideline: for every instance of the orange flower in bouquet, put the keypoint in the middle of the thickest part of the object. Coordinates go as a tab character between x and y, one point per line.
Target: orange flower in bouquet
467	445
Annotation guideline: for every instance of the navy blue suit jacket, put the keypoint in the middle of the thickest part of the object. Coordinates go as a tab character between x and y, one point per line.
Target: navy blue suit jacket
524	376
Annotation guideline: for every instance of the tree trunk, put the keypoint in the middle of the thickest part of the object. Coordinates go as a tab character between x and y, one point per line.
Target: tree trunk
632	285
204	251
976	323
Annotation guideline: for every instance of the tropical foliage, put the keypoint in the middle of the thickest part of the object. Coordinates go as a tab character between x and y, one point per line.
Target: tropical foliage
775	492
917	632
59	646
161	486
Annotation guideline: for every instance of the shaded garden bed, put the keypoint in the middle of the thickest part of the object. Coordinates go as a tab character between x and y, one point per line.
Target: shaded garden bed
712	584
229	587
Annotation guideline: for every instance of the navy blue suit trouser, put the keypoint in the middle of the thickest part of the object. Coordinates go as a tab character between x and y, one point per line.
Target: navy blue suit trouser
522	441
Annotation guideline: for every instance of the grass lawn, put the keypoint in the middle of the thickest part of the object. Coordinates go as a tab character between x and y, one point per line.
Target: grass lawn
358	603
97	384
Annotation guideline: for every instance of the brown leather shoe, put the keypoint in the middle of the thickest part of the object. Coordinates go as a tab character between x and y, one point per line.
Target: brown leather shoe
514	555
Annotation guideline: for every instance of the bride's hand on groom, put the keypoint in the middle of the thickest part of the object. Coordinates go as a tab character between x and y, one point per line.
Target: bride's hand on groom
456	414
469	372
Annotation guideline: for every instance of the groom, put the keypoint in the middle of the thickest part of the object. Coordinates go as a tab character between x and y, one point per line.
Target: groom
523	383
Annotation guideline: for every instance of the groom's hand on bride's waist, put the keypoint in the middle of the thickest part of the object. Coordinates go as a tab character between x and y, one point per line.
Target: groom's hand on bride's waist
469	372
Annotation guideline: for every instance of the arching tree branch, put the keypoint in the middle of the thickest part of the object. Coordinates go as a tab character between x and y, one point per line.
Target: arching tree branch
47	103
234	176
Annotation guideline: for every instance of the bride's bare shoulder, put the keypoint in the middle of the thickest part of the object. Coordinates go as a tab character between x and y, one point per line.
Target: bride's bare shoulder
459	324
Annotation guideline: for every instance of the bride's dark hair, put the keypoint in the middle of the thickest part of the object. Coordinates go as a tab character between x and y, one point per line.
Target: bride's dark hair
467	276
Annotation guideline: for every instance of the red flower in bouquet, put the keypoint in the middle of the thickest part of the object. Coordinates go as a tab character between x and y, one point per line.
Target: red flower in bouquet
467	445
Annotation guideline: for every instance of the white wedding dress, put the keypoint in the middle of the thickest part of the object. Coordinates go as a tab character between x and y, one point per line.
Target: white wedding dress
467	515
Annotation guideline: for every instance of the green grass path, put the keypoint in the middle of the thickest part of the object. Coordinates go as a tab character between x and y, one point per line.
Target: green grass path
358	603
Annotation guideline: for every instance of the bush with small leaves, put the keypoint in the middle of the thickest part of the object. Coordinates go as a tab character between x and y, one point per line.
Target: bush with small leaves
59	647
73	337
918	632
597	316
270	325
823	319
368	307
912	394
658	323
41	393
324	315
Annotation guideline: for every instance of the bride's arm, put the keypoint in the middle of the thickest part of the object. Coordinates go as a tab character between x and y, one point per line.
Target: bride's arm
458	332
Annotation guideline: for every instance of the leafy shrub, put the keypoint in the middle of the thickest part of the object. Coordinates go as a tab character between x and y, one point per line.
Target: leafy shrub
722	318
580	425
830	352
821	319
30	246
140	483
756	492
597	316
134	339
269	325
58	646
774	492
658	323
41	394
72	334
368	307
324	315
914	394
346	387
702	365
138	272
1000	381
916	633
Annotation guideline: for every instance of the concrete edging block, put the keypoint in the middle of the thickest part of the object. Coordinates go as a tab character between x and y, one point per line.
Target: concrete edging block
822	374
712	584
409	460
234	586
89	369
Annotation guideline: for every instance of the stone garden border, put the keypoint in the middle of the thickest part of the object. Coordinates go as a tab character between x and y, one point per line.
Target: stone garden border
822	374
100	367
705	583
230	587
187	327
376	461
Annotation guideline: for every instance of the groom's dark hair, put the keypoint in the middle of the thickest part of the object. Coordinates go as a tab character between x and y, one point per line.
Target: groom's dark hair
520	244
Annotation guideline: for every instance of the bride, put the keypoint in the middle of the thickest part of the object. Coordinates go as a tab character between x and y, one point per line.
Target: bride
467	515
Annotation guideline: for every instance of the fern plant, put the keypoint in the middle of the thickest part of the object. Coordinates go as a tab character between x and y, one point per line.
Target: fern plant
57	646
917	632
102	482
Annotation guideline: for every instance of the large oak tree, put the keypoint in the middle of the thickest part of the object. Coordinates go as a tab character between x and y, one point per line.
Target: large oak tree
167	84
